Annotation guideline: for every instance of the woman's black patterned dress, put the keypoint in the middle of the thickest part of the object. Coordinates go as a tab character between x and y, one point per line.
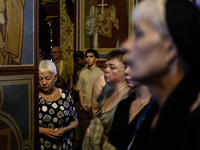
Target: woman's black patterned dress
55	115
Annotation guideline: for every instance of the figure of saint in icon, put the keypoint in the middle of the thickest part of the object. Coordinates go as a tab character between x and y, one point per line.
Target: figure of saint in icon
106	23
11	31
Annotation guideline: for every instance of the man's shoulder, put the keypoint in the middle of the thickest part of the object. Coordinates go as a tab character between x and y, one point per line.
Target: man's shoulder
83	72
99	69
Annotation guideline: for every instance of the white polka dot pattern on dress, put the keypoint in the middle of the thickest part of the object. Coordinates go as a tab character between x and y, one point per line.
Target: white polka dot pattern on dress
60	114
51	111
47	118
54	105
55	115
44	108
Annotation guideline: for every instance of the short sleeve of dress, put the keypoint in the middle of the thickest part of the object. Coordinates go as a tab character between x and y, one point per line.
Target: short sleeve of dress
70	105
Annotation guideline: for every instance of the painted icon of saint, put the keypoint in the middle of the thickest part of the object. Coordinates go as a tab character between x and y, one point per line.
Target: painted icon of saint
106	23
11	31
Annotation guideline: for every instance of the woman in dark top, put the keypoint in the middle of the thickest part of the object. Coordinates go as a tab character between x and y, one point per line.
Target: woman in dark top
127	113
165	56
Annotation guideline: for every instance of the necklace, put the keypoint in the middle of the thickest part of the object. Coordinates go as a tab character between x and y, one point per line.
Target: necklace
139	107
131	111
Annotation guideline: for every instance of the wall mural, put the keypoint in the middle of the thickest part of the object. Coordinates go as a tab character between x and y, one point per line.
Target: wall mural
16	32
17	112
18	73
66	34
102	24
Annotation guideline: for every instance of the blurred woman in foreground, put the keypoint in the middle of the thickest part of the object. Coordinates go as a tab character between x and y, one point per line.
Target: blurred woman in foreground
165	56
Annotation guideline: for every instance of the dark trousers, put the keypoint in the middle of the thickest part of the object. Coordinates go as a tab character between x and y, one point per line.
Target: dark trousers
84	120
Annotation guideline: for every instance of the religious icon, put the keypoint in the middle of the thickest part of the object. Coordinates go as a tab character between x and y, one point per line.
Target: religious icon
11	31
106	23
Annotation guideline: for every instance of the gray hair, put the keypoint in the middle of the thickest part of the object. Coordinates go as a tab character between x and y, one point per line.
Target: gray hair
48	66
152	11
59	48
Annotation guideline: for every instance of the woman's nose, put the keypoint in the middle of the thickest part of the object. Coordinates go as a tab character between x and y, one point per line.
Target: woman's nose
44	82
127	70
128	44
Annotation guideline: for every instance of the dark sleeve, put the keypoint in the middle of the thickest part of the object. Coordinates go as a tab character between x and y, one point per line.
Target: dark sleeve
192	133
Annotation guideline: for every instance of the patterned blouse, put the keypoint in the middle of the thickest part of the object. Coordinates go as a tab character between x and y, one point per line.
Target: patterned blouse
55	115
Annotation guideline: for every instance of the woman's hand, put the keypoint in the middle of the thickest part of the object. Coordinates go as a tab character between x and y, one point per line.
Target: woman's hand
49	133
60	132
54	134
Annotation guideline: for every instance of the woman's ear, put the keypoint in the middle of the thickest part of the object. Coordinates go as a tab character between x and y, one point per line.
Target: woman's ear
56	77
173	53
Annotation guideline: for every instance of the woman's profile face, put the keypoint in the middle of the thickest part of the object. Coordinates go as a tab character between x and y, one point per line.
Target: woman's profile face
130	82
46	81
114	72
148	57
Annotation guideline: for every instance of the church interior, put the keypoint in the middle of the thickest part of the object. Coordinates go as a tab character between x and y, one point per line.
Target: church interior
41	25
44	24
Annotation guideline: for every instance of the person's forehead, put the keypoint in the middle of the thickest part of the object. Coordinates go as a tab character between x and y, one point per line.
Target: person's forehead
113	61
90	54
55	49
45	73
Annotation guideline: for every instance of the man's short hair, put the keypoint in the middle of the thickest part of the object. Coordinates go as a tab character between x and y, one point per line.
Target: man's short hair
96	54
